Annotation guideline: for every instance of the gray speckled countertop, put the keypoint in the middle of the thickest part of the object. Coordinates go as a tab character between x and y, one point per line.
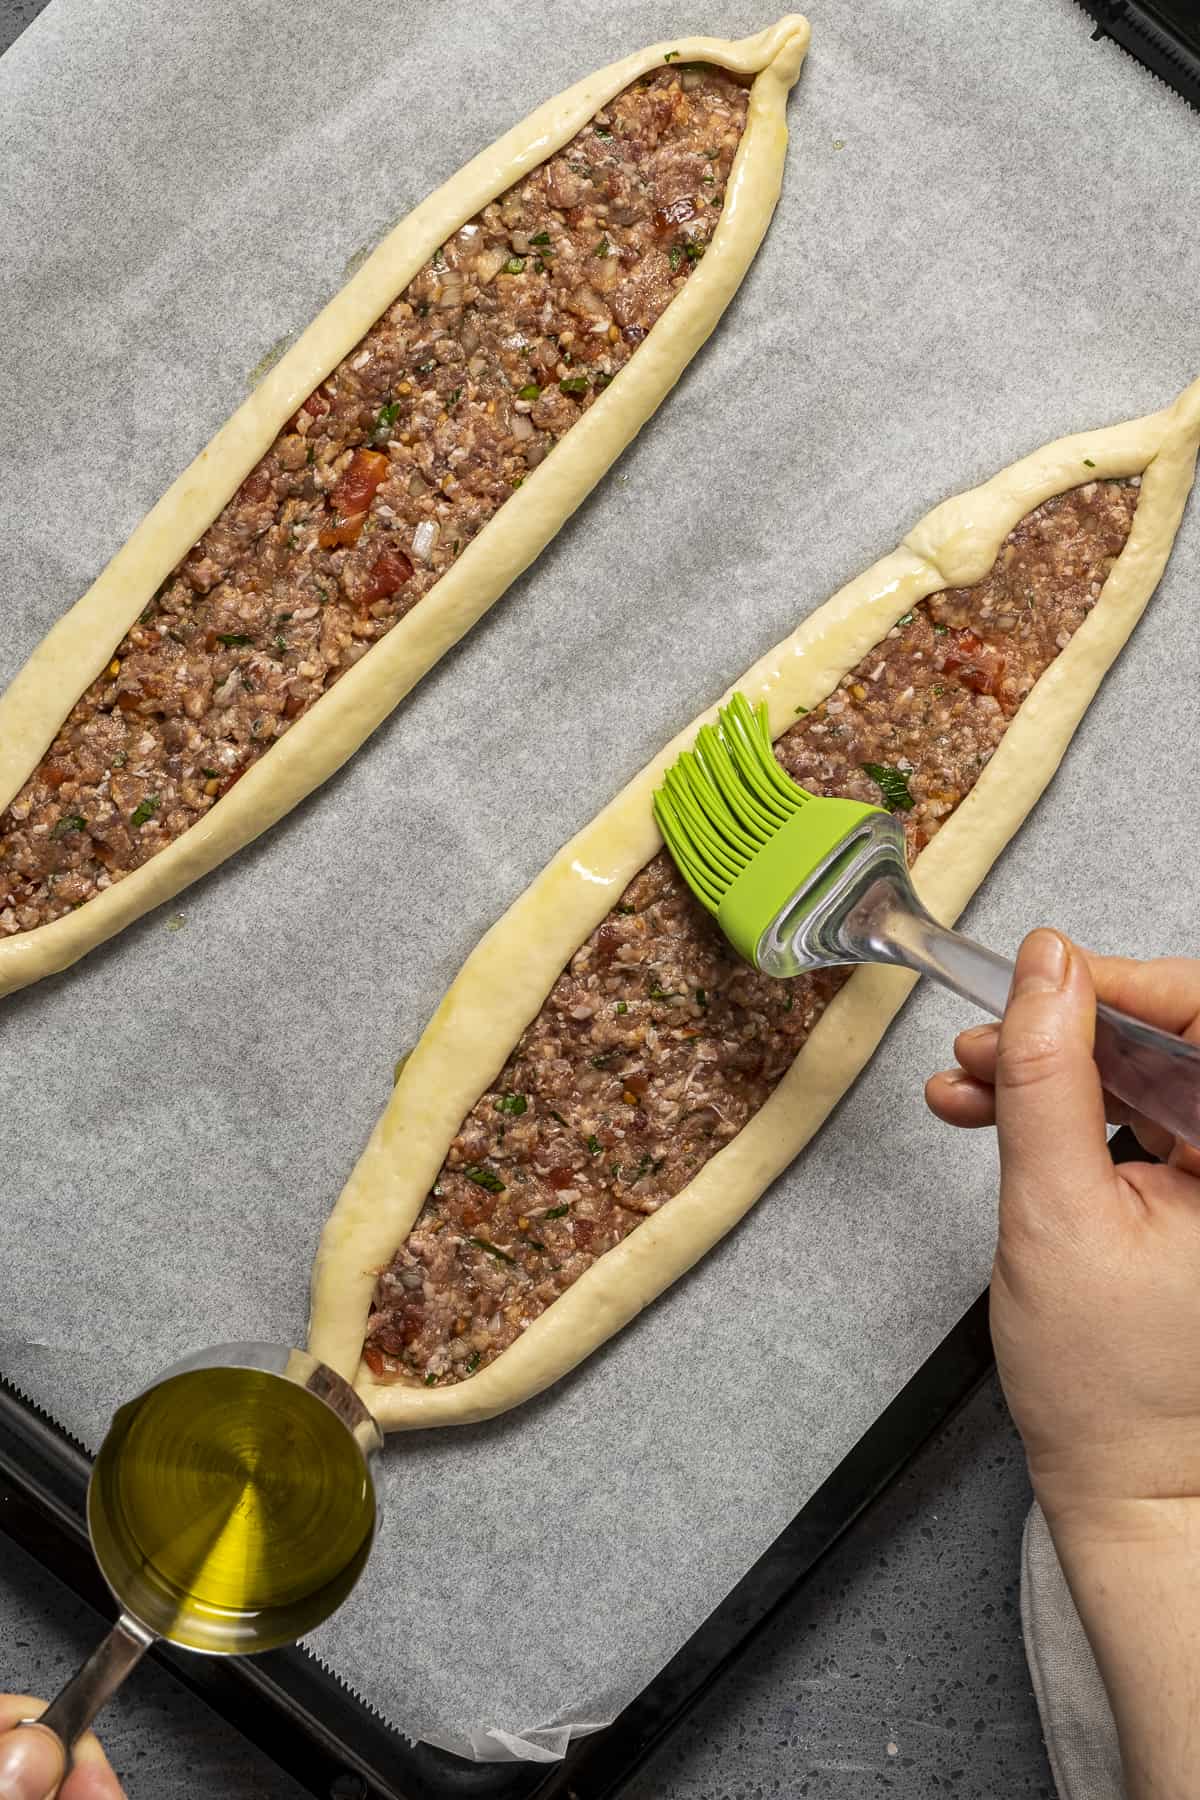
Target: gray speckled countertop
898	1670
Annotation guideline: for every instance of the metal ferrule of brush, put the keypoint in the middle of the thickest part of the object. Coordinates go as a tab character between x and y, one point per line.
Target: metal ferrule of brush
828	919
858	905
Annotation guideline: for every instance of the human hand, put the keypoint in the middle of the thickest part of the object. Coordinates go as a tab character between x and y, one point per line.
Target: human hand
1096	1286
31	1762
1095	1307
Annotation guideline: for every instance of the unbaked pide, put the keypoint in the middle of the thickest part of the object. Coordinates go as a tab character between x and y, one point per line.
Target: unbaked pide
606	1088
244	643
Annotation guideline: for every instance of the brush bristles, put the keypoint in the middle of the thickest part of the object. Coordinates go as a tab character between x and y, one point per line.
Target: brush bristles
721	802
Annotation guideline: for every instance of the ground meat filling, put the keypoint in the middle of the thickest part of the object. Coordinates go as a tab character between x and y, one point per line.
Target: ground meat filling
378	483
657	1044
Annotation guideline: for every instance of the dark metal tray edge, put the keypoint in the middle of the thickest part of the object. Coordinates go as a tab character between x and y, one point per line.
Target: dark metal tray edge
1160	36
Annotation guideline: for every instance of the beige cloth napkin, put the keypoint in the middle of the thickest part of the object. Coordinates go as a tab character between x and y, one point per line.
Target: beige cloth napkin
1077	1721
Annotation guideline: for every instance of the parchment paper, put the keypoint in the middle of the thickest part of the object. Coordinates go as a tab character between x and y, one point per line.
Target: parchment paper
987	238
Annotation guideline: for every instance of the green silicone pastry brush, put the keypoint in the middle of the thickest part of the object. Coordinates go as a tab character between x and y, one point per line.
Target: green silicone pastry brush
797	882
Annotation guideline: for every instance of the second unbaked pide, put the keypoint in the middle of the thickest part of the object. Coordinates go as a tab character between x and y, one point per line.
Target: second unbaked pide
395	474
605	1090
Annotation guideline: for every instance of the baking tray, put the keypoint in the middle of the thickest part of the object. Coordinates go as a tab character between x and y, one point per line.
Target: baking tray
299	1713
310	1723
1164	35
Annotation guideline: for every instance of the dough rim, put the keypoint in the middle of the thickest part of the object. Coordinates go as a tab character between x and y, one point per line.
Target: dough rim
78	646
506	978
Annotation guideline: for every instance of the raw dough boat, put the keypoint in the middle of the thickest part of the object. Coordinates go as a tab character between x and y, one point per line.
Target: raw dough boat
113	806
408	1209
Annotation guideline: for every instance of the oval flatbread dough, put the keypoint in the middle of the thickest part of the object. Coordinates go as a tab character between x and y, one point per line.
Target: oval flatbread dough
505	981
79	647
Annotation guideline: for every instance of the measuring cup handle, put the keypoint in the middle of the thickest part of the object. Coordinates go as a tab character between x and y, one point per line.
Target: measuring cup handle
75	1706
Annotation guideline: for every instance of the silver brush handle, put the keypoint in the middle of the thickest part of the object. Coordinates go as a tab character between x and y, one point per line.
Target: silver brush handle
859	906
1154	1072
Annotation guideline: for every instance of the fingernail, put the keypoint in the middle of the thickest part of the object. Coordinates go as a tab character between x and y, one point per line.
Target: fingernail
976	1033
955	1077
1041	964
31	1764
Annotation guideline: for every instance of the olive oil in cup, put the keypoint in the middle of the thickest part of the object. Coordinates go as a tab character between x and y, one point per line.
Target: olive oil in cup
231	1509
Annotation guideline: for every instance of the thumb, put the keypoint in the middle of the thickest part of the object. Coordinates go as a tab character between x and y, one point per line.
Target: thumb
31	1764
1049	1102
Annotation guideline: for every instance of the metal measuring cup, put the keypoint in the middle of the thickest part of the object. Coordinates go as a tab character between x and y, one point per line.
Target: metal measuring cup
236	1433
